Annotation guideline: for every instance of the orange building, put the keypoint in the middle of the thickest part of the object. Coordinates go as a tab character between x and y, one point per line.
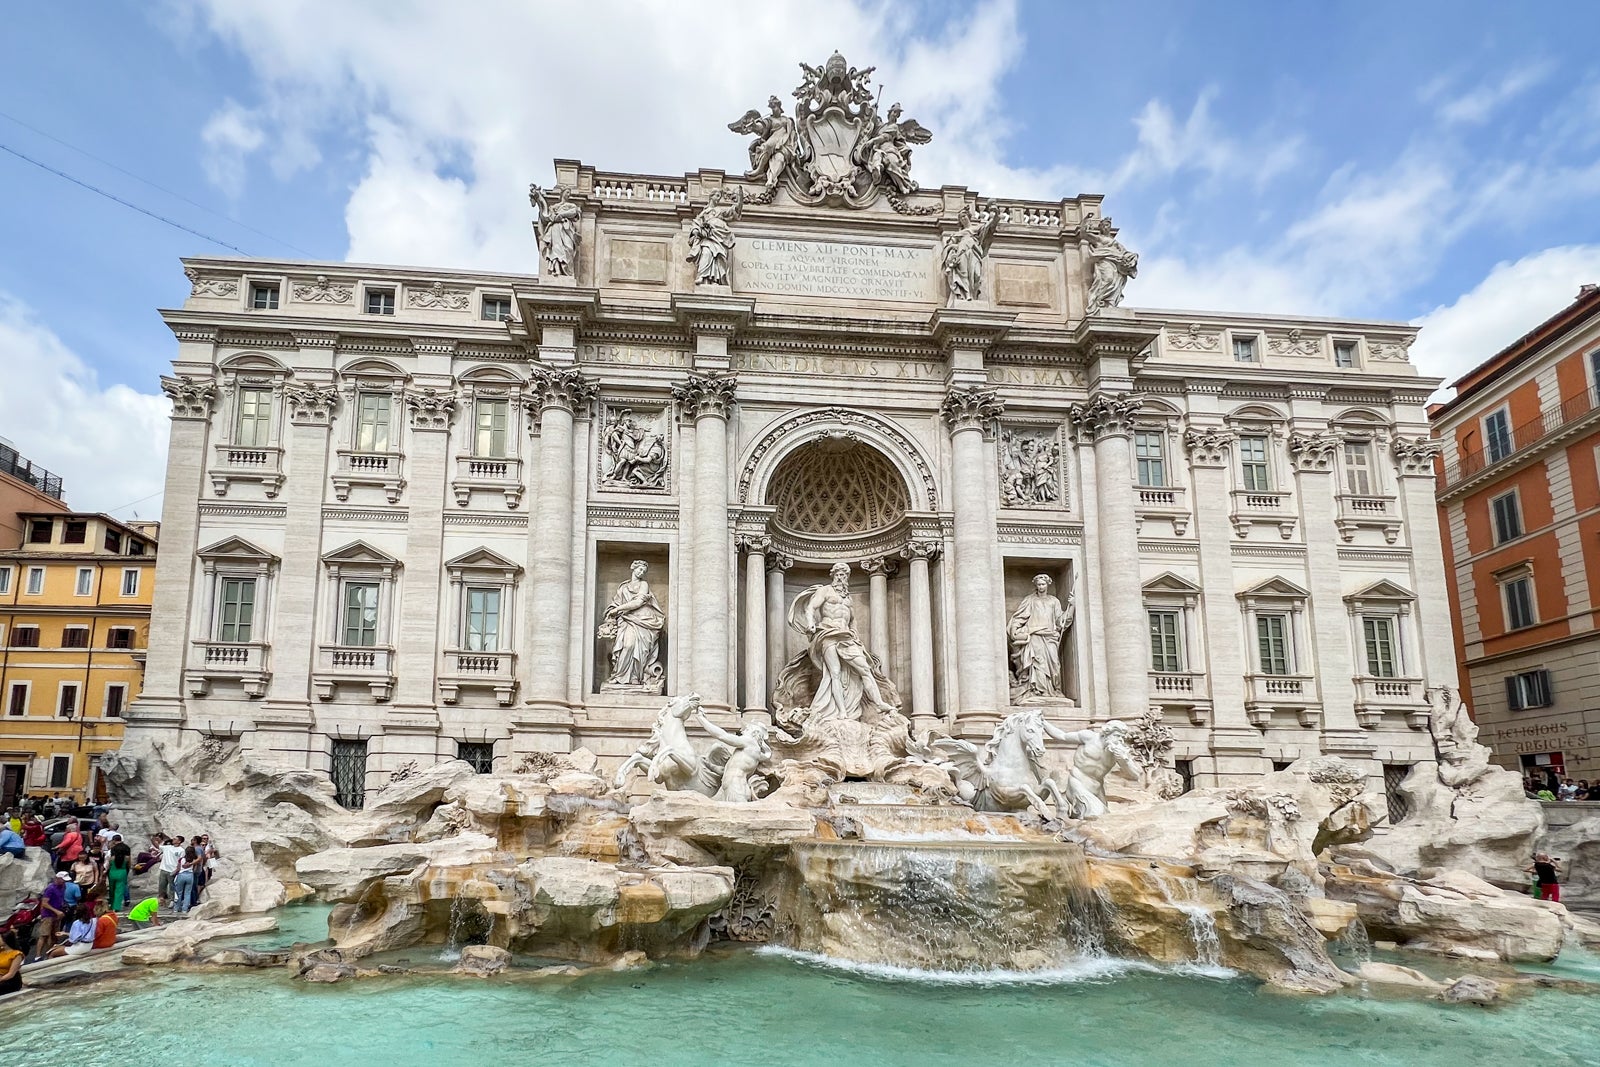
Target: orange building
24	487
1519	495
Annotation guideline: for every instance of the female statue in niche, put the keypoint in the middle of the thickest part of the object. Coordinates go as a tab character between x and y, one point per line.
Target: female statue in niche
633	622
1035	633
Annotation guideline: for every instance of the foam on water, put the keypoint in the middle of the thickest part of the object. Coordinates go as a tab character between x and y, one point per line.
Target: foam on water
1080	969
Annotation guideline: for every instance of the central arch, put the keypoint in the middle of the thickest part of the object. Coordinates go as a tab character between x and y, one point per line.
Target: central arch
801	428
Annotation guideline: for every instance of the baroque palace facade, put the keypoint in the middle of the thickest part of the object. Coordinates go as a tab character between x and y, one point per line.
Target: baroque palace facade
413	514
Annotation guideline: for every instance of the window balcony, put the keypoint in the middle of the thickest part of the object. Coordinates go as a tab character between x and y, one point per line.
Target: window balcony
1165	502
380	469
1185	690
1370	512
244	662
232	463
368	665
1264	508
478	670
1376	696
490	475
1297	693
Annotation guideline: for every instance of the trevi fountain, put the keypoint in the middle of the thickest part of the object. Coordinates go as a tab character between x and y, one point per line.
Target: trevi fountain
1050	859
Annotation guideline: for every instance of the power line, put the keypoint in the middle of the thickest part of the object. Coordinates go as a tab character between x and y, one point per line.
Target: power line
117	199
153	185
130	503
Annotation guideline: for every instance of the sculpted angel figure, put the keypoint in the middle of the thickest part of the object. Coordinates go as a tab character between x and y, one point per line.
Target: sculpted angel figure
556	229
745	758
1113	264
776	147
962	252
1035	633
711	237
887	152
850	682
634	621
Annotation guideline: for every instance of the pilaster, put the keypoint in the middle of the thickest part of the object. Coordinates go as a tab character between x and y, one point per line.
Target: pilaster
431	413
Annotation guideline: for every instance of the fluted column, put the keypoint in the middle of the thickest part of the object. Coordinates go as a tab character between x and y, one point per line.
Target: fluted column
878	571
919	554
1105	420
777	622
707	399
755	629
556	395
967	413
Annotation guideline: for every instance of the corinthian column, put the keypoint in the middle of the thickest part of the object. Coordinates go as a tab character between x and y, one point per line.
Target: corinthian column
919	553
878	571
557	394
777	621
755	629
707	399
967	412
1104	419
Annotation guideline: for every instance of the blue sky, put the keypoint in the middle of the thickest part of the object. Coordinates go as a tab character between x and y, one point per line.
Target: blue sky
1428	162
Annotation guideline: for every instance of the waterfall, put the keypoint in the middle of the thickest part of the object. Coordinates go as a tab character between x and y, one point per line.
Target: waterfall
1183	894
1353	943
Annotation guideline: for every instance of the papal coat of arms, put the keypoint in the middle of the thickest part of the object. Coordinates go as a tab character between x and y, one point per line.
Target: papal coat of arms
837	148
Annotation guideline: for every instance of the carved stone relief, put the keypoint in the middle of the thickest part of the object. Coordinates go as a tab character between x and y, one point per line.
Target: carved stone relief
200	285
1194	339
633	448
323	291
437	297
1030	468
1294	343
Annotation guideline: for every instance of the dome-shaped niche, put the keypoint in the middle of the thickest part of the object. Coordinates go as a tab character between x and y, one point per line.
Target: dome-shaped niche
837	487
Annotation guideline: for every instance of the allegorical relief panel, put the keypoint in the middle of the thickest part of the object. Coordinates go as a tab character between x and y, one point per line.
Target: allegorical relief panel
1030	467
633	447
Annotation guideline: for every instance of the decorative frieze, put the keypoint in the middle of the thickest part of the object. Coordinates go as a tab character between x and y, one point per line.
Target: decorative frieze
311	405
200	285
431	409
971	409
1389	351
1294	343
637	518
321	290
1313	451
1105	415
1194	339
705	395
192	398
437	298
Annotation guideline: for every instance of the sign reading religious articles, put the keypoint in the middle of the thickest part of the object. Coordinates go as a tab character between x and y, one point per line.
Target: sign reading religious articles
834	268
836	149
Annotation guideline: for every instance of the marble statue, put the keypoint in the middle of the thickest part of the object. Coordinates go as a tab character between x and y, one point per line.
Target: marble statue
711	236
776	147
962	251
1009	772
633	623
886	153
1113	264
1462	760
1034	633
1101	750
667	757
743	761
1028	469
556	229
633	454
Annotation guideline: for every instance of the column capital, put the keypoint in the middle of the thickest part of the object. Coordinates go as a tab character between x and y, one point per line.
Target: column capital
1313	452
704	396
753	543
311	405
431	409
923	550
1208	446
192	398
777	561
971	409
1415	455
879	565
1104	415
563	388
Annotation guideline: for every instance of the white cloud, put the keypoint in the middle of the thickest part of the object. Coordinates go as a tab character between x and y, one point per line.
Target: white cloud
230	136
1476	105
108	444
1510	301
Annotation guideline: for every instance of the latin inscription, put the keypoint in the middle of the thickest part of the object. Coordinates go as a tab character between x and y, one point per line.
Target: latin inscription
1035	376
833	268
632	355
838	366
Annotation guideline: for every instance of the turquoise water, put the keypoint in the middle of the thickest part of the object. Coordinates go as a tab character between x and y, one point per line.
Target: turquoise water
774	1011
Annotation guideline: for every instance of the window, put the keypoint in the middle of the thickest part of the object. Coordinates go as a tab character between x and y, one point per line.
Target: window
85	581
130	581
1272	637
373	418
1497	435
5	579
1150	451
1394	775
478	753
360	614
1253	471
350	773
264	297
1244	349
238	609
255	418
497	308
380	301
75	637
1519	602
1530	689
135	548
113	540
17	703
1165	651
116	697
492	418
35	581
1378	632
1507	516
1185	769
60	771
1358	467
119	637
39	531
74	532
1594	372
483	619
1344	353
24	637
67	703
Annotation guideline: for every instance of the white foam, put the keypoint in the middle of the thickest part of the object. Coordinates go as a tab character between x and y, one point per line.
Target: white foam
1080	969
874	834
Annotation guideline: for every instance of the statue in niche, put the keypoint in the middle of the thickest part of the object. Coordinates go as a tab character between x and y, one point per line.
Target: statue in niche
962	252
711	236
887	152
777	145
1028	469
633	455
556	229
633	623
1035	632
1113	264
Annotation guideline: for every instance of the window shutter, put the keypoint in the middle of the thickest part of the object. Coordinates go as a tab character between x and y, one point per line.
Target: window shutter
1545	696
1513	693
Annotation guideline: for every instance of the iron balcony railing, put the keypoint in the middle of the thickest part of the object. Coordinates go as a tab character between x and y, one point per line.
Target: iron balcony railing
1523	437
23	470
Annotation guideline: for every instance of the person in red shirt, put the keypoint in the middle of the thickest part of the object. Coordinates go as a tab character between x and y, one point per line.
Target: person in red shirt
33	834
105	928
70	849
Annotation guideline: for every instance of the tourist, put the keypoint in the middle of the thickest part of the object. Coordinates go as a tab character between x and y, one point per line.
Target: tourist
107	831
86	872
33	833
1544	876
171	859
208	864
105	928
1545	795
10	964
151	856
11	843
183	882
1568	790
52	909
70	848
80	935
119	868
145	913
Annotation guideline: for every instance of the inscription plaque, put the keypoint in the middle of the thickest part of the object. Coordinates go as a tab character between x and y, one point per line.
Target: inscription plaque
834	269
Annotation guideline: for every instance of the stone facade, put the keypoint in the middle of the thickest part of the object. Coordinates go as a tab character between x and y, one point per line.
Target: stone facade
908	383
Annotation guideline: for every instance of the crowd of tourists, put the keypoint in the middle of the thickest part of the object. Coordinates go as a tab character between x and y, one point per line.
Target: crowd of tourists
1553	789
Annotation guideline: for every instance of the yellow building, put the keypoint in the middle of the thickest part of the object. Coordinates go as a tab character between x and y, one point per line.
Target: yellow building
74	622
